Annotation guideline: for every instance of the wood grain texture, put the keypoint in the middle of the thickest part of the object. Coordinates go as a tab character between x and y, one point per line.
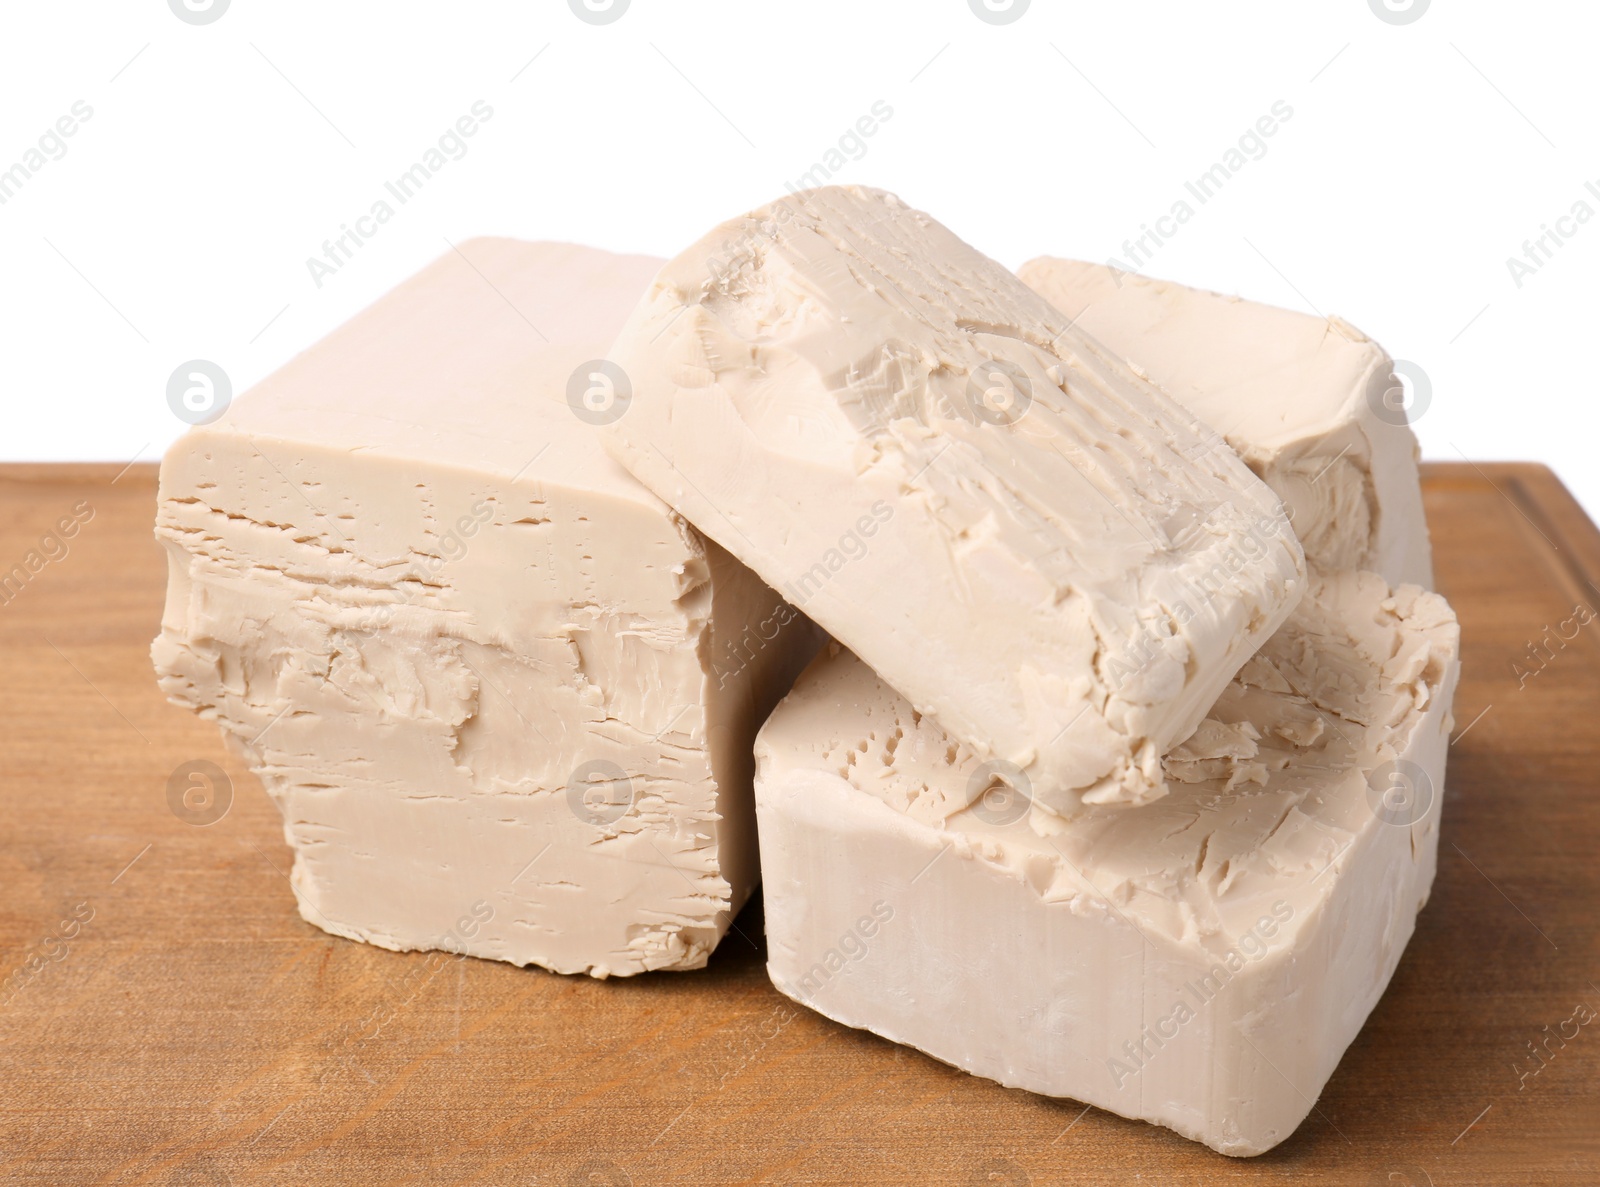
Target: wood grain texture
170	1019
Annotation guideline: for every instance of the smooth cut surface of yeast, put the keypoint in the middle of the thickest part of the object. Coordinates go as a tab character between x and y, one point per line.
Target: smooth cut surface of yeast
1201	962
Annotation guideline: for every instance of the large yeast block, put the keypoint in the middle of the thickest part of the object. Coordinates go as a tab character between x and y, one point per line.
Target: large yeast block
1201	962
1023	537
502	694
1311	403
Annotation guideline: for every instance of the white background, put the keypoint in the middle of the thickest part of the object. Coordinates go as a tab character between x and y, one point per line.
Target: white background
218	158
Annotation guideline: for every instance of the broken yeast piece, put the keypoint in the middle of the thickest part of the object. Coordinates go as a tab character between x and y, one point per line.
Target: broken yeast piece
502	694
1310	403
1026	539
1201	962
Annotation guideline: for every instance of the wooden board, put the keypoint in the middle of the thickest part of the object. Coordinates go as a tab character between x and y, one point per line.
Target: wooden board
172	1020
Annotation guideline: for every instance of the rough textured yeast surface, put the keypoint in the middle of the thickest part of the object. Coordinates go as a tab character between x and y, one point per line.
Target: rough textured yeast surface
502	694
1030	542
1201	962
1310	403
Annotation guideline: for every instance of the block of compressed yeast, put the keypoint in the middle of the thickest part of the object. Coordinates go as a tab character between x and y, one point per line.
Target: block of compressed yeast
1201	962
989	507
502	694
1311	403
